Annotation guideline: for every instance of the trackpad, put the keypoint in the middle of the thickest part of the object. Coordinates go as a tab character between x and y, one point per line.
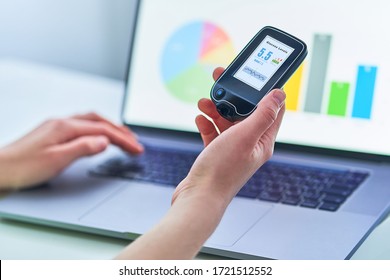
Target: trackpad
240	216
135	208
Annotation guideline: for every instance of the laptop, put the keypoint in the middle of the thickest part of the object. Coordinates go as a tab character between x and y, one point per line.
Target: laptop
327	185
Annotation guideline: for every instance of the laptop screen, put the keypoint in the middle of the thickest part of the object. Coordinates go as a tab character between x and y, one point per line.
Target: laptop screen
337	99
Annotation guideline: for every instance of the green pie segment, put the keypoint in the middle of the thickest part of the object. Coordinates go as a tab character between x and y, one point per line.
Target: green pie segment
191	85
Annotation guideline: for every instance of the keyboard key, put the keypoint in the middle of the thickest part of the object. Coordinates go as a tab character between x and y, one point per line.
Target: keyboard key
131	175
296	192
329	206
310	204
270	197
339	191
291	200
312	195
247	193
333	199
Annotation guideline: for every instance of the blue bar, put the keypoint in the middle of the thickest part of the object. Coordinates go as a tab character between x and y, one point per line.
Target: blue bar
364	92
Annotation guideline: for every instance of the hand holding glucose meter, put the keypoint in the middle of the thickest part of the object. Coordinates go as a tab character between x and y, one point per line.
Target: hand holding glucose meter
266	62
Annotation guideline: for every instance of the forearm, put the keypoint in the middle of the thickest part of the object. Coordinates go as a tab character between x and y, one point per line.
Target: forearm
182	232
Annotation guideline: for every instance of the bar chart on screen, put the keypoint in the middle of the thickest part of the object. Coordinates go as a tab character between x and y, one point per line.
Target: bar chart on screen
331	97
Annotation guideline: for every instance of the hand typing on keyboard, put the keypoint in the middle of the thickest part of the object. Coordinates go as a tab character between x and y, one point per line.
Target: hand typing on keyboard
52	146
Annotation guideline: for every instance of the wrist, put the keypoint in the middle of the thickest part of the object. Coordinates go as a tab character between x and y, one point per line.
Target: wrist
3	170
195	214
200	191
7	170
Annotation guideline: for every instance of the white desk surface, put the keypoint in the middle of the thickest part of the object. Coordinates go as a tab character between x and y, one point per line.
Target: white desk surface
31	93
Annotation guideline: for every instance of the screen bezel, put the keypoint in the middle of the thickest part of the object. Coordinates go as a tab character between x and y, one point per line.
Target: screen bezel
194	136
247	92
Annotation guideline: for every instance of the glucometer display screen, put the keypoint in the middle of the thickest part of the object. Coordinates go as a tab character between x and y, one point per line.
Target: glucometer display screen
263	63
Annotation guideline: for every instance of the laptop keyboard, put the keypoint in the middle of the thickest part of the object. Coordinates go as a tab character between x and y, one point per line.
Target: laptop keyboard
278	182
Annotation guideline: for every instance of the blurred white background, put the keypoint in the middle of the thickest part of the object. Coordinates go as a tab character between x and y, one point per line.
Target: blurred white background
87	35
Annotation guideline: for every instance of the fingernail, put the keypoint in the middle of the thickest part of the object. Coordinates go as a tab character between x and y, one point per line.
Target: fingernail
279	96
141	147
101	142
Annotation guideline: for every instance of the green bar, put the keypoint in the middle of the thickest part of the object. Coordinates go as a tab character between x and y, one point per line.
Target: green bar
338	99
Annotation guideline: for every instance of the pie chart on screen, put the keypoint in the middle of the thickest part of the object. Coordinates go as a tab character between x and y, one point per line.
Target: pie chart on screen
189	58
